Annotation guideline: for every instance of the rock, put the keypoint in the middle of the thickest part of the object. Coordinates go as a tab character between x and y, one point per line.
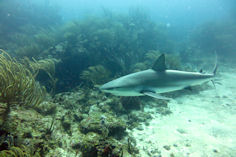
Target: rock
147	123
140	127
88	144
163	111
94	108
93	144
78	117
46	108
215	151
182	131
167	147
103	123
131	103
172	155
66	122
139	116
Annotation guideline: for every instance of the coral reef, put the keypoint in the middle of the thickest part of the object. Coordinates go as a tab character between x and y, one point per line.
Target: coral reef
17	151
45	71
115	43
131	103
75	58
46	108
33	135
213	37
100	128
95	75
18	86
94	145
103	123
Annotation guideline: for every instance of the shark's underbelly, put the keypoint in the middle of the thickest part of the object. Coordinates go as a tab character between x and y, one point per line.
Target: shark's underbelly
178	85
128	93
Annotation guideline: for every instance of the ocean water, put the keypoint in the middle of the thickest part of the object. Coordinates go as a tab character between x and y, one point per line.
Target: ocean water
173	66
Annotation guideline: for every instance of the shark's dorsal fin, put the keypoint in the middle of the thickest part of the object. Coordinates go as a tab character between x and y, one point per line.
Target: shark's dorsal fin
160	64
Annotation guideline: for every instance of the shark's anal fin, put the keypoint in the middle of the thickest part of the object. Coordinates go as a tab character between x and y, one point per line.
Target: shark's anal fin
155	95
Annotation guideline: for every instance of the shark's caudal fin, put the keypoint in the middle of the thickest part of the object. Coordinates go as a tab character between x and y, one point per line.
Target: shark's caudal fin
160	64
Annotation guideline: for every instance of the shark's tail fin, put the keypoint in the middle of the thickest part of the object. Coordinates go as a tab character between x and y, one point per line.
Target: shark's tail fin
216	64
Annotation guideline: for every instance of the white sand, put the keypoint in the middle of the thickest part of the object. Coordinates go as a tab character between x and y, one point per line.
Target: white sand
203	124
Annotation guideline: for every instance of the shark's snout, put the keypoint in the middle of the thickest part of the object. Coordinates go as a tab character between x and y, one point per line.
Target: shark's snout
102	88
105	87
110	87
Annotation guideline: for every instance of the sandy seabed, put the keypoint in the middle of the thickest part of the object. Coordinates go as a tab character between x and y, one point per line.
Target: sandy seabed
202	124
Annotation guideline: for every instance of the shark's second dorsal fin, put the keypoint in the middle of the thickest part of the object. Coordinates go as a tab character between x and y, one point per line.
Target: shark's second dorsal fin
160	64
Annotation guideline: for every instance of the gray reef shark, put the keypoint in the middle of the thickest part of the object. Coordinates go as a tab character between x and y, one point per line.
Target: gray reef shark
154	81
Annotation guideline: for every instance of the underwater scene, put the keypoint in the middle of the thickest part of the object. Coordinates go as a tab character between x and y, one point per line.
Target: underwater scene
106	78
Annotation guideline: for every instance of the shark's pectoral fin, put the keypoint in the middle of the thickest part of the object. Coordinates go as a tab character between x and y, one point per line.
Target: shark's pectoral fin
155	95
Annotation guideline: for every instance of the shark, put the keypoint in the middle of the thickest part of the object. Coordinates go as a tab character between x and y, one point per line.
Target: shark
157	80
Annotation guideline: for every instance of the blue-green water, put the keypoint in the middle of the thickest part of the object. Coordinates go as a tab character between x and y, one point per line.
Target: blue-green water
56	54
